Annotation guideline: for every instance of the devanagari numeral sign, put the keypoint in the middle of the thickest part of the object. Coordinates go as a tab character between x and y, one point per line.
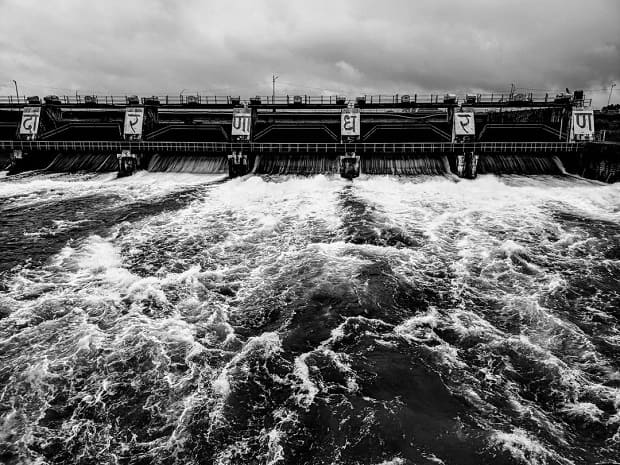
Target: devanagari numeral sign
583	124
134	120
464	124
241	123
31	117
350	122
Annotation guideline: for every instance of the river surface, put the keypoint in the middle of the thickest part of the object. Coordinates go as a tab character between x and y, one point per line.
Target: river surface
185	319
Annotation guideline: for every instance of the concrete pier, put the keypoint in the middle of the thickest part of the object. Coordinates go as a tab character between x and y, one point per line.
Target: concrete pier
349	165
238	164
467	165
127	163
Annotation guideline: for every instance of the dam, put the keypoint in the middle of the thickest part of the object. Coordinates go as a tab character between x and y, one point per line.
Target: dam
406	134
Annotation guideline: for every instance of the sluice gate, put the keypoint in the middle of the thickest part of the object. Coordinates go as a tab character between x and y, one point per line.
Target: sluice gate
402	135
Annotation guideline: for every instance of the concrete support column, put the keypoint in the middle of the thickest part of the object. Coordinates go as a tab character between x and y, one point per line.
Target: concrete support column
472	165
238	164
460	165
17	161
467	165
127	163
349	165
132	131
242	123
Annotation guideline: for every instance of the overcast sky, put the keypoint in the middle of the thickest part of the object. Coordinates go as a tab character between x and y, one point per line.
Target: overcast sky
315	46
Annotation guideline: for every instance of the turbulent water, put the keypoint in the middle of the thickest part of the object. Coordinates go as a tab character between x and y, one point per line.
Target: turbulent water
172	318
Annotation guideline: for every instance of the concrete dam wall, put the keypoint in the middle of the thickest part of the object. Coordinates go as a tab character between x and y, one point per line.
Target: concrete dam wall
398	136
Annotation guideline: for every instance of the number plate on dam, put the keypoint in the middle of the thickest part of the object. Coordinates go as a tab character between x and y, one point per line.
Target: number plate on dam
350	122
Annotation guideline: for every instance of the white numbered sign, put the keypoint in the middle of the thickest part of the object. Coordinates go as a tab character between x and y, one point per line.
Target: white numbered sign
30	121
134	119
582	127
464	124
241	123
350	122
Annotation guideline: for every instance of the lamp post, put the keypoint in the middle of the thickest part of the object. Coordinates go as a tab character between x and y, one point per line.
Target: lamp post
613	84
273	89
16	91
181	95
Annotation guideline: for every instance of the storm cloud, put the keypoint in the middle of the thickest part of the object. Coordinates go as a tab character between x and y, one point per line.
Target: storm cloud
315	47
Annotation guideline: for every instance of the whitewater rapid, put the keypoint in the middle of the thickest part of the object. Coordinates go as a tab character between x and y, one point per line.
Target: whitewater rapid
180	318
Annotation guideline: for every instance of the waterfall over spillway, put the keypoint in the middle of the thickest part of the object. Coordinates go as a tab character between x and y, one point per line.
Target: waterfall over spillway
303	164
412	164
98	162
518	164
306	164
312	164
185	163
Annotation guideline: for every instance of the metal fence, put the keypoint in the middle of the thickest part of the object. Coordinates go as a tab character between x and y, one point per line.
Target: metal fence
412	99
228	147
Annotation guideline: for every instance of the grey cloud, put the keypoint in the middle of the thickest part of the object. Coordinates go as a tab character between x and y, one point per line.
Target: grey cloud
343	46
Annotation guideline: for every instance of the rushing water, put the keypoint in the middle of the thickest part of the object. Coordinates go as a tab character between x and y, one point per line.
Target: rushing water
179	319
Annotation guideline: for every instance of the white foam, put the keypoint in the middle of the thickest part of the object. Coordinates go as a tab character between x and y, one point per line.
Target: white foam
267	344
275	451
308	388
420	329
585	411
396	461
54	186
525	448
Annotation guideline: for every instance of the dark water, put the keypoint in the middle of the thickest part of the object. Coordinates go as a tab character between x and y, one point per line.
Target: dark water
285	320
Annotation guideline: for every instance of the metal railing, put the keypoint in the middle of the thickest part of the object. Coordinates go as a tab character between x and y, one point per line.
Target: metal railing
334	147
13	100
399	100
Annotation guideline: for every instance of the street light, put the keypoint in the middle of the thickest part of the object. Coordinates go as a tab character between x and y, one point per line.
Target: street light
181	95
273	89
613	84
16	91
